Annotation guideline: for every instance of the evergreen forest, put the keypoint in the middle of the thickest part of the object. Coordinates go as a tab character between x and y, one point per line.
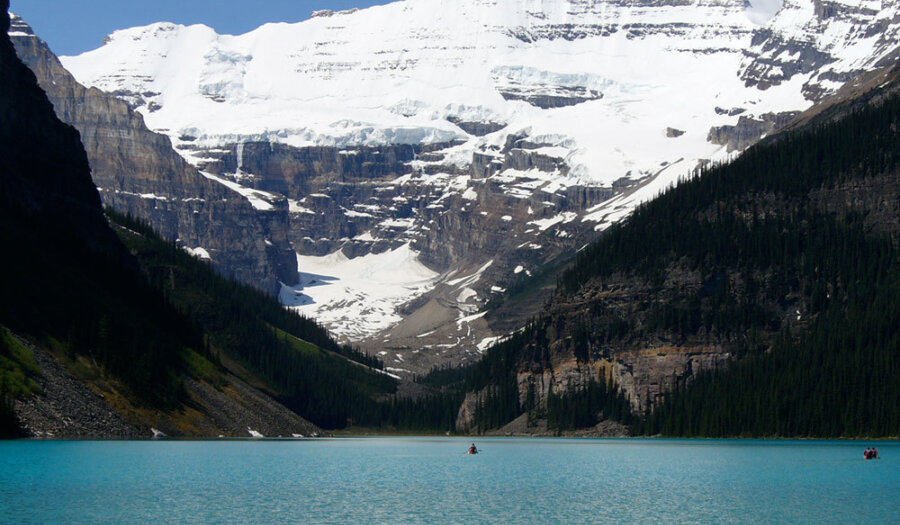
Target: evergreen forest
797	245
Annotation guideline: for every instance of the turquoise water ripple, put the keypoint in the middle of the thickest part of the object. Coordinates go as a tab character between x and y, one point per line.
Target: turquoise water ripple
431	480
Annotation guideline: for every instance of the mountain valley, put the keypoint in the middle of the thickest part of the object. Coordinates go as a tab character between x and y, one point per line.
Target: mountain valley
481	163
484	216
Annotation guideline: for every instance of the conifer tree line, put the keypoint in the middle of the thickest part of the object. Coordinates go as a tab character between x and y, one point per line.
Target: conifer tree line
231	291
313	375
839	373
580	407
764	245
16	367
92	303
332	385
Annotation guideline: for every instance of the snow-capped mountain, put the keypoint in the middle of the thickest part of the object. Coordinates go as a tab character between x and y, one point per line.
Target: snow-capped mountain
479	138
138	172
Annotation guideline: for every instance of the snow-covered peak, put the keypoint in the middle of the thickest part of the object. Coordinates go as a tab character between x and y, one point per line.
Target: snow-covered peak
18	27
611	76
396	73
539	122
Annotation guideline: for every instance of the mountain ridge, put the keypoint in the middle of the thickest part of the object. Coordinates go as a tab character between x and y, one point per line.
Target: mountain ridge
767	309
90	344
138	172
491	137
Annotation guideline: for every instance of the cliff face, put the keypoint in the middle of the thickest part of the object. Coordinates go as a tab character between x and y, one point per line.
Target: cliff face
681	288
489	160
480	233
45	172
616	328
138	172
799	43
72	294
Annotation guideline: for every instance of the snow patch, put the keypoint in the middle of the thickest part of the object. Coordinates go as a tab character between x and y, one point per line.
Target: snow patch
360	296
487	342
466	294
761	11
563	218
258	198
472	278
469	318
198	252
294	206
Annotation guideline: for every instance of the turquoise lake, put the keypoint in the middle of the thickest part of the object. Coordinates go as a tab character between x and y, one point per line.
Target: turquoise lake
431	480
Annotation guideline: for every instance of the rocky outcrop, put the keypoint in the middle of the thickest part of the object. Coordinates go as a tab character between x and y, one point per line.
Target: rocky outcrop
478	129
548	97
526	426
876	199
646	376
769	69
67	408
749	130
777	55
870	87
373	199
466	416
138	172
297	172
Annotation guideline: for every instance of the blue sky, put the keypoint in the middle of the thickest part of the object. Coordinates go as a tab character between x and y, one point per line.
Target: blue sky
74	26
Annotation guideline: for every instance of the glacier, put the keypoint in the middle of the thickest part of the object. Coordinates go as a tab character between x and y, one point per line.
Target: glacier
529	98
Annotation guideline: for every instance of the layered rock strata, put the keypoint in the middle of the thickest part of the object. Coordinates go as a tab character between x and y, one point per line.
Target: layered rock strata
138	172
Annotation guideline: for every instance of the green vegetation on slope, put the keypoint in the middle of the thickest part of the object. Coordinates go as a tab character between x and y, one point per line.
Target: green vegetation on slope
17	371
838	372
779	250
329	384
96	303
63	274
17	367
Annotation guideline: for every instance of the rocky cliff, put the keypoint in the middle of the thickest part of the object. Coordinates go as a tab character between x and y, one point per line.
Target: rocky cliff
138	172
92	406
478	233
485	161
101	352
649	314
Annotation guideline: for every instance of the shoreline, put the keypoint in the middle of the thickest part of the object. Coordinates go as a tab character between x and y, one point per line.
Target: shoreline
386	435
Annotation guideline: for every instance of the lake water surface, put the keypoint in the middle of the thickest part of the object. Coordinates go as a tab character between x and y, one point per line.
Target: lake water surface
431	480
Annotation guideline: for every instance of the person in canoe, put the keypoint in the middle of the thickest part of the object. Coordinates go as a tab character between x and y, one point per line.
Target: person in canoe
473	449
